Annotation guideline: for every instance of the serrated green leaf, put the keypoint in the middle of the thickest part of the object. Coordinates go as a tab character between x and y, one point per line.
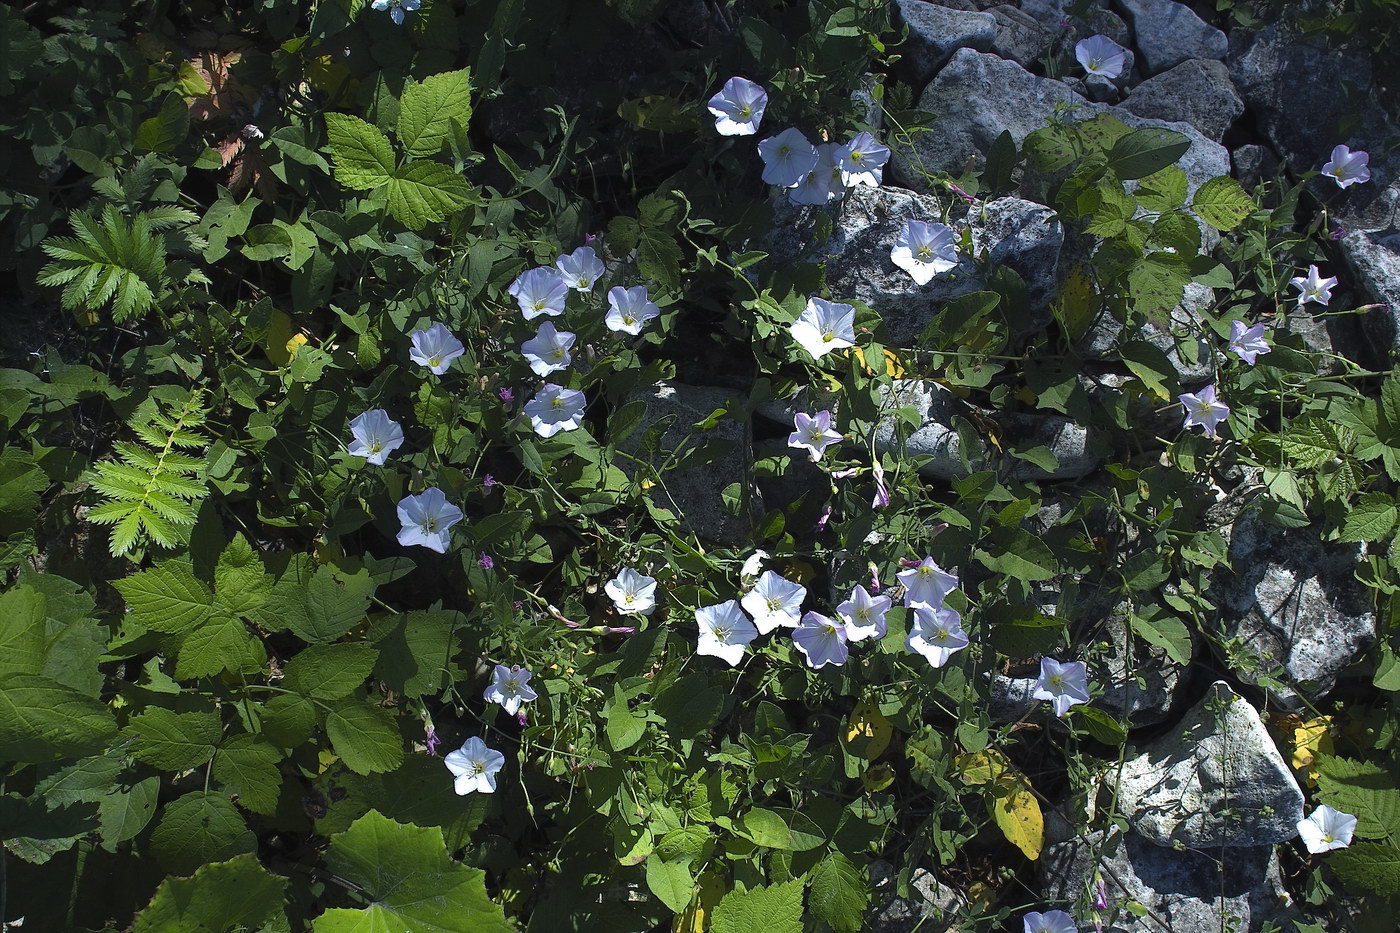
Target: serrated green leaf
361	154
428	109
23	626
167	598
671	881
172	741
240	583
839	893
365	737
201	826
1368	866
222	897
221	643
41	720
774	909
1372	518
1222	203
421	193
1364	790
1163	190
415	650
329	672
125	811
248	765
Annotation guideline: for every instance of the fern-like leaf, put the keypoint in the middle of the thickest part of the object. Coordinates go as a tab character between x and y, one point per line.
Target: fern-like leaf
109	260
150	487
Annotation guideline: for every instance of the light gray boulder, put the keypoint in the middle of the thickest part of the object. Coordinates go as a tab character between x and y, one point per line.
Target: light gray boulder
935	33
930	431
1078	450
1055	14
1216	780
1374	260
1293	603
931	907
1020	36
1167	33
1181	341
1197	91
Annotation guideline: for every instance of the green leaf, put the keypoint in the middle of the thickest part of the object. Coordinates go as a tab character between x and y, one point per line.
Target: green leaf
427	111
1151	365
222	643
362	155
1166	632
88	781
1364	790
172	741
1103	727
839	893
787	830
222	897
659	257
200	827
329	672
167	598
1143	152
23	625
315	607
1018	553
239	581
421	193
774	909
1368	866
1163	190
623	726
415	650
405	873
126	810
287	721
671	881
365	737
1222	203
248	764
41	720
1372	518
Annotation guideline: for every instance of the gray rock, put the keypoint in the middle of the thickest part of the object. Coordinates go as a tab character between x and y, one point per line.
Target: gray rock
1168	33
1100	89
1253	164
1330	337
1018	234
1079	450
693	490
1197	91
1055	15
935	33
1374	260
935	411
1011	698
1020	36
1295	606
1218	780
1186	350
864	94
931	907
1238	889
1144	691
977	97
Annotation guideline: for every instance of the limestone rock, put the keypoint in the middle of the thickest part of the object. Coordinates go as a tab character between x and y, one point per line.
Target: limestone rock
1020	36
935	410
1197	91
936	32
1168	33
1374	260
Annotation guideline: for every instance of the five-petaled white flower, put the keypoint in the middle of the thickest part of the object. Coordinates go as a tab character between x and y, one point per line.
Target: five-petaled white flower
1247	342
1100	55
1204	409
427	519
724	631
927	584
554	409
1064	685
1347	168
864	614
376	436
738	107
1326	829
822	640
435	347
396	8
474	767
774	601
813	433
787	158
632	593
548	350
1313	287
924	250
629	309
510	686
539	291
823	183
937	634
581	269
862	161
1052	921
824	326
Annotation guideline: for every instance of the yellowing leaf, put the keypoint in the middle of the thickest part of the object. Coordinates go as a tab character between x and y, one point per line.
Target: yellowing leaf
799	571
1017	812
295	344
893	366
696	917
1310	739
868	731
877	778
981	768
279	333
1077	304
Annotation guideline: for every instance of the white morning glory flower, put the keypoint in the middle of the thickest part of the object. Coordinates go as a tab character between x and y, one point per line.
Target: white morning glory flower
1204	409
1100	55
824	326
1052	921
427	519
813	433
752	565
629	309
864	614
474	767
927	584
548	350
1347	168
510	686
1064	685
632	593
1247	342
738	107
396	8
862	161
787	158
1313	287
937	634
774	601
539	291
924	250
724	631
435	348
555	409
824	182
1326	829
581	269
376	436
822	640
